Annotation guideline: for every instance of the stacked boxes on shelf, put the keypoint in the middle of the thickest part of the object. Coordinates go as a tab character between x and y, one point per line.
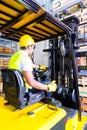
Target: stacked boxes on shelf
5	53
84	15
84	104
82	81
4	62
7	48
1	49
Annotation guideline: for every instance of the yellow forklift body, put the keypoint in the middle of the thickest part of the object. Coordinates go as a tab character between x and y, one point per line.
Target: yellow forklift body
74	124
82	122
38	116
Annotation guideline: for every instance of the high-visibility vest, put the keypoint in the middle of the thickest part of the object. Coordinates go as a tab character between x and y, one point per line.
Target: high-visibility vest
15	62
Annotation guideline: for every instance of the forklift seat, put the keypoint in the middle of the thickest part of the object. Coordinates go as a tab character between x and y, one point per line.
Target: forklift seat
13	87
15	90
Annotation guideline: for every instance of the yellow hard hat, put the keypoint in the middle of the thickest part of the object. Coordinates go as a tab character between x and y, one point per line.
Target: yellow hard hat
26	40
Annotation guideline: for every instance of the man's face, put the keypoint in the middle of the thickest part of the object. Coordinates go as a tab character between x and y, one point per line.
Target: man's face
31	50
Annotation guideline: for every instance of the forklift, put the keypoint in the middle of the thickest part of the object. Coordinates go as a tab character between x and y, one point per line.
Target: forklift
60	110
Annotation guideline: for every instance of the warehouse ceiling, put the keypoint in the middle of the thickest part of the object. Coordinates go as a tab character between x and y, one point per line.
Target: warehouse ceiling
19	17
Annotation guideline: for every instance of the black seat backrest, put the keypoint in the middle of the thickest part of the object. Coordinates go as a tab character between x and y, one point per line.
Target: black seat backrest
13	87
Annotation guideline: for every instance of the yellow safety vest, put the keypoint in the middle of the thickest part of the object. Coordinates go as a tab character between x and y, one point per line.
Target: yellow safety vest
15	62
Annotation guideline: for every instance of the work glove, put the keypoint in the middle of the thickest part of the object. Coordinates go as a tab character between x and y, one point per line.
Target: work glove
52	86
43	67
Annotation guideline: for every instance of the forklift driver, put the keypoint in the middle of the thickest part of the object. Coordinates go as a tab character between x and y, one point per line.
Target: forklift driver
22	61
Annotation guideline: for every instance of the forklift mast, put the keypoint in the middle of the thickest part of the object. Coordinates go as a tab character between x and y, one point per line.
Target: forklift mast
64	68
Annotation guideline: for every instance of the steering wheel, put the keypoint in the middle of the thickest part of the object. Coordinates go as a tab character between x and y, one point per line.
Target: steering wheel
40	75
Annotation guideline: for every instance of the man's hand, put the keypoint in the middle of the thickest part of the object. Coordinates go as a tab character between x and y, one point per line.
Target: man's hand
42	67
52	86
